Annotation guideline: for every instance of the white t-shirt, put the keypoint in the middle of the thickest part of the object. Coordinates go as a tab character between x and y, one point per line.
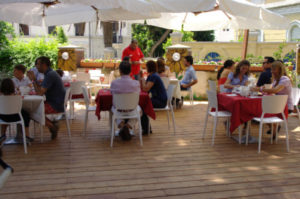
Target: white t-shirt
23	82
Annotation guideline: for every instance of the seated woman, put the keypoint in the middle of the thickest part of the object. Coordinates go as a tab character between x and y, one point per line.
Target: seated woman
161	70
224	71
281	85
8	88
239	77
155	86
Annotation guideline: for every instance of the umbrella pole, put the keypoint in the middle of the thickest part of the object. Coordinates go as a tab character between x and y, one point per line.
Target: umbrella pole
245	43
90	44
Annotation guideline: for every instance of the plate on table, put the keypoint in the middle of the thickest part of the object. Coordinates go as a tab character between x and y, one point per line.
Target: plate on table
232	95
254	96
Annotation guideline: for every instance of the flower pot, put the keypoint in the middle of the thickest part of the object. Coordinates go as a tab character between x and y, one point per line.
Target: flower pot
91	64
109	65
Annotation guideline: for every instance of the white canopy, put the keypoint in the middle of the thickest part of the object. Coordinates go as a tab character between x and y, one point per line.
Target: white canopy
40	14
233	14
143	6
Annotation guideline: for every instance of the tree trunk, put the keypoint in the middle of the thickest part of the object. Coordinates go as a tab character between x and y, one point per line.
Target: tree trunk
107	33
163	37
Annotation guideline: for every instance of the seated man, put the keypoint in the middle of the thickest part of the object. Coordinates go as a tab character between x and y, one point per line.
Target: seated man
190	77
39	76
266	75
19	78
125	84
52	86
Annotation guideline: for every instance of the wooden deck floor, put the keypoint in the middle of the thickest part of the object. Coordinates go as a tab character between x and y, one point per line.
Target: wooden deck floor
167	166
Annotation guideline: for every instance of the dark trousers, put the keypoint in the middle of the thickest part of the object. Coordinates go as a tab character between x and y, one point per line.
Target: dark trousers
15	117
145	120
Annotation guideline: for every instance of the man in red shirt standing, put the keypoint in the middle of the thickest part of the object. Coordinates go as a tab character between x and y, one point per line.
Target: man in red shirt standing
135	54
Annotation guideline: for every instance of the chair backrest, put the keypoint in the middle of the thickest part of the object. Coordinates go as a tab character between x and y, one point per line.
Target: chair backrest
170	92
222	89
76	87
86	96
96	72
126	101
83	76
10	104
212	85
111	77
166	82
67	97
212	99
274	103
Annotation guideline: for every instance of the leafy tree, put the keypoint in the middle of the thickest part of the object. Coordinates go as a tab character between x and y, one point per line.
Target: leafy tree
5	50
187	36
61	36
150	39
204	35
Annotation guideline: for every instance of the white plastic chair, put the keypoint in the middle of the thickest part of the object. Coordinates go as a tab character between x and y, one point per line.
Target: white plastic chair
190	93
213	103
84	77
166	82
75	90
88	108
212	85
274	105
65	114
110	79
296	98
168	108
9	105
128	104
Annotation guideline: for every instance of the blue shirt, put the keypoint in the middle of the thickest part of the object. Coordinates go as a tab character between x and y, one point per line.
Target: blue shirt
264	78
189	76
55	94
236	81
158	90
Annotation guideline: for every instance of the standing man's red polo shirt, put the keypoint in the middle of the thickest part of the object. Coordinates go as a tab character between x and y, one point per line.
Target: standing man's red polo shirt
135	55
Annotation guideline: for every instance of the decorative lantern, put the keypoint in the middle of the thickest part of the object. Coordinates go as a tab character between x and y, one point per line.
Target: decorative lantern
69	57
175	57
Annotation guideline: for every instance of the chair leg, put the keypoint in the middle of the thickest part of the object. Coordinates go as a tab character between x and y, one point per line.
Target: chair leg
168	116
287	136
214	131
148	125
272	133
298	112
228	127
68	125
240	134
173	119
260	136
112	131
248	132
140	131
85	122
24	138
205	124
42	132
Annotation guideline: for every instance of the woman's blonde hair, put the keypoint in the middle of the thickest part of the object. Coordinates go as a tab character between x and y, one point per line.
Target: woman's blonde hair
282	72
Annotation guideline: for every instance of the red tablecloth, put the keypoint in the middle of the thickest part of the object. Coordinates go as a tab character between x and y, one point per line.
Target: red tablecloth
104	103
242	109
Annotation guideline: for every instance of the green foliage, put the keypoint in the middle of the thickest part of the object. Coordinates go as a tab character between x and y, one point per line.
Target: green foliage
167	44
254	60
204	35
147	36
19	51
26	52
187	36
278	54
61	36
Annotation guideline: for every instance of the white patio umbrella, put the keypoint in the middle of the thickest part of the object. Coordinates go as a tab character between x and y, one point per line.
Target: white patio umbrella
146	6
56	13
39	14
233	14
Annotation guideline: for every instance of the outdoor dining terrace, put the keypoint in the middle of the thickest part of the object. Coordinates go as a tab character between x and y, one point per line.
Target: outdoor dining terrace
167	166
